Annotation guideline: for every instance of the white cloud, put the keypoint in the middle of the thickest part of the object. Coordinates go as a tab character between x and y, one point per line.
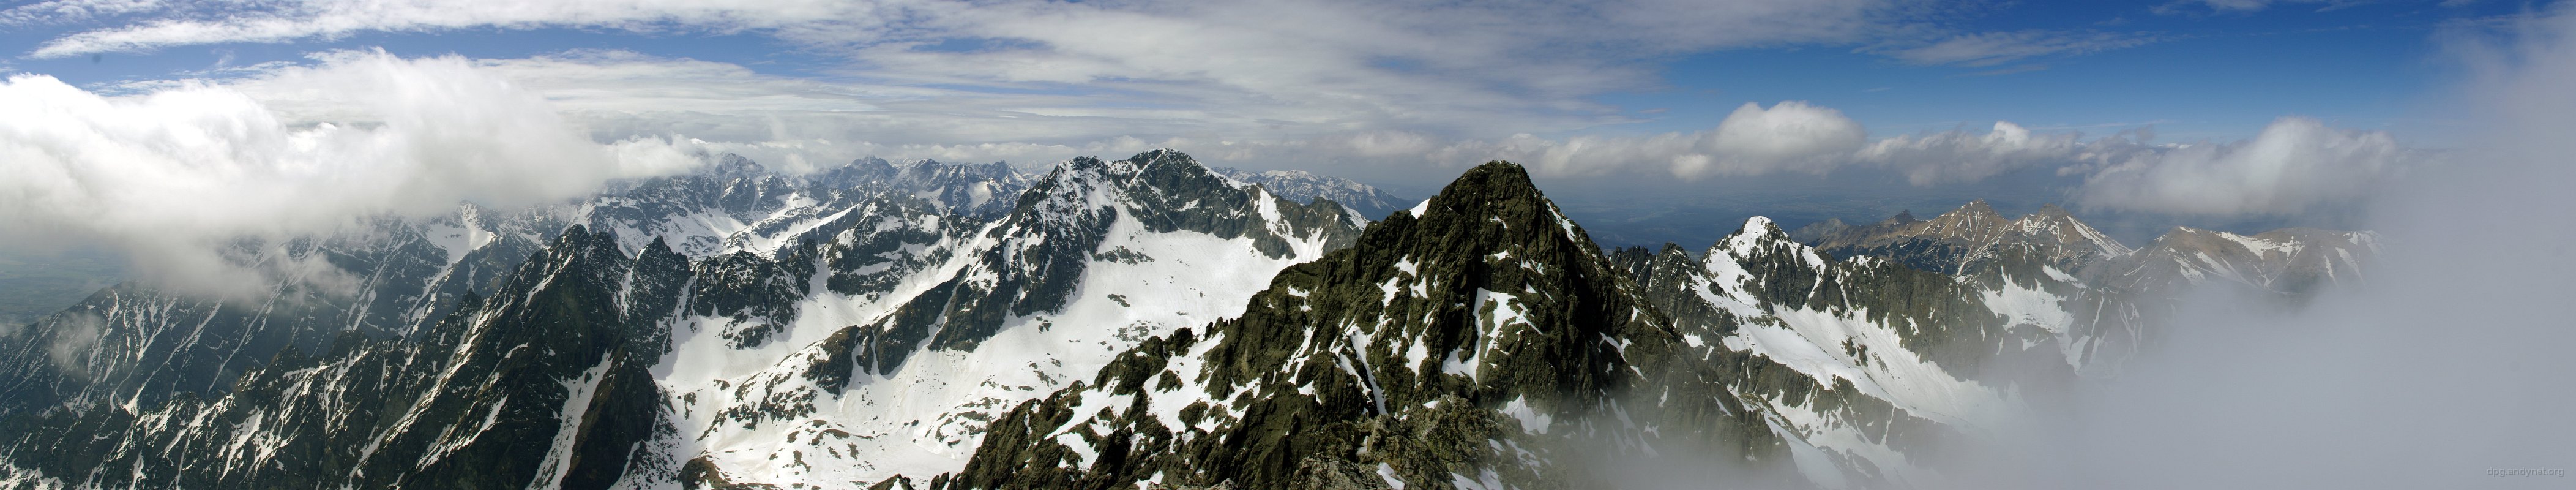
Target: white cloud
623	93
181	24
596	80
1656	25
1789	136
75	10
799	123
2294	165
804	123
1293	80
1960	156
1287	81
171	174
73	340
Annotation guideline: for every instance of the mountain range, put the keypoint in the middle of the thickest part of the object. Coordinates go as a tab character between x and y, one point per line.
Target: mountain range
1147	322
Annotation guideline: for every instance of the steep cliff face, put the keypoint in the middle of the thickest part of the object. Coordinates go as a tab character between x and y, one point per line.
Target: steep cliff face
133	345
542	384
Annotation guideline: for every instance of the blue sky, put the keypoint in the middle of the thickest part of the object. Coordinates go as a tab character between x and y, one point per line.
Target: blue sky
2217	76
2221	112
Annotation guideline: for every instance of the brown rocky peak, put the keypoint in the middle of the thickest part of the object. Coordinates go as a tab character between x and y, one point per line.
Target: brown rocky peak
1974	222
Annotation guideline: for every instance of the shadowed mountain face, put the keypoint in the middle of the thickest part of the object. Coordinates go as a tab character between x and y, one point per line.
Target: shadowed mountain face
132	345
1472	338
543	381
1115	324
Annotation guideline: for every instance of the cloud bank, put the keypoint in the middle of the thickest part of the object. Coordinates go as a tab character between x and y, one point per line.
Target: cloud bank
1961	156
2445	369
2295	164
1789	136
170	174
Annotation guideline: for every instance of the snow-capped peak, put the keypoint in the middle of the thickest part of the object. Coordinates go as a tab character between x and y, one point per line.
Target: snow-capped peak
1761	236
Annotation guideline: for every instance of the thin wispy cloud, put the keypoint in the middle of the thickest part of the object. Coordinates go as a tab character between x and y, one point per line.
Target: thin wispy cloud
1166	69
1421	66
1996	48
2007	70
2241	6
